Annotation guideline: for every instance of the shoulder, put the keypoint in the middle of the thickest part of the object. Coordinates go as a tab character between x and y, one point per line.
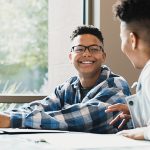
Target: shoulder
72	81
118	81
112	75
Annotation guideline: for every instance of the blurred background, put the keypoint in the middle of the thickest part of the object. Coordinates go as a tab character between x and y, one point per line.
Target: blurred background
34	42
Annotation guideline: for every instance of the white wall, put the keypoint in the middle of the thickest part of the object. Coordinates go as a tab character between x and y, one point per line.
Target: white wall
111	30
64	15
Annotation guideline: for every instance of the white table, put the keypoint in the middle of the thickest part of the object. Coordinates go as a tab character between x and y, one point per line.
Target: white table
70	140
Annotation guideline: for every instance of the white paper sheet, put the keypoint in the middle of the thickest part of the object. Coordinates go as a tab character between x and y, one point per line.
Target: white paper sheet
27	131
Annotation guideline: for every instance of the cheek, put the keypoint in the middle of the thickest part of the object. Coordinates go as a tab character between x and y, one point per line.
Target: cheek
124	46
101	58
126	49
74	58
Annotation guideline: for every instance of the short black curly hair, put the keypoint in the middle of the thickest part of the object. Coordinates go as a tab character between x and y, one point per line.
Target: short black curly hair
136	14
87	29
132	10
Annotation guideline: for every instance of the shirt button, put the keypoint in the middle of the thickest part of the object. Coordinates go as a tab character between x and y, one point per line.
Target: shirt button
131	103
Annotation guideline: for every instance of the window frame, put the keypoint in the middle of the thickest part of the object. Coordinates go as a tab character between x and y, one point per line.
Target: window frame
16	98
24	98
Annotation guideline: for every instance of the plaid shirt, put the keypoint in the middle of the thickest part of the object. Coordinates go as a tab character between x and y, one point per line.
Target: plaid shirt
66	110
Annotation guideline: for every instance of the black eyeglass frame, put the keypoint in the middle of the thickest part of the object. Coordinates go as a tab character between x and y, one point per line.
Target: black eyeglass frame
87	47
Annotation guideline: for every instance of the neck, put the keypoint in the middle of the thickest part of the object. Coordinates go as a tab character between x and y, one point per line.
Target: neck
89	81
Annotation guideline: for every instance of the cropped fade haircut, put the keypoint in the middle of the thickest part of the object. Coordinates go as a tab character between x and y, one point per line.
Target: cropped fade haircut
132	10
136	14
80	30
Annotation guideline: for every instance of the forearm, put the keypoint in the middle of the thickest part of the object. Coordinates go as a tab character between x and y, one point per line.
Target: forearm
88	117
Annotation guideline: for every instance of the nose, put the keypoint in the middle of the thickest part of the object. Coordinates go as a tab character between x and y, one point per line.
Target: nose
87	53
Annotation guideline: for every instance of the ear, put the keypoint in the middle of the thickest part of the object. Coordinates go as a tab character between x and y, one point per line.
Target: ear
70	57
133	38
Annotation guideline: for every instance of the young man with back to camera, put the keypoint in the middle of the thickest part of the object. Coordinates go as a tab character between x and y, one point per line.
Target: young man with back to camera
134	16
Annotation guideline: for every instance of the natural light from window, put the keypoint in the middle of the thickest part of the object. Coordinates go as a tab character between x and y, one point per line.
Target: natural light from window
23	45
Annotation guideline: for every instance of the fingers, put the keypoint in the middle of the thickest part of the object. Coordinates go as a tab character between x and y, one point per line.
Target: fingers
133	134
125	133
115	120
124	117
123	122
117	107
112	108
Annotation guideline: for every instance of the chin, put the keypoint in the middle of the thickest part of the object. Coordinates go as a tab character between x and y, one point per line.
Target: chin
136	66
86	73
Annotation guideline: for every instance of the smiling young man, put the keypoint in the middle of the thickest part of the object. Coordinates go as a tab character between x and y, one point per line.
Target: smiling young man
79	103
87	57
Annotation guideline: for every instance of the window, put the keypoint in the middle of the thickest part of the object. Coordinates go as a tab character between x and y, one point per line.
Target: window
64	15
23	46
35	45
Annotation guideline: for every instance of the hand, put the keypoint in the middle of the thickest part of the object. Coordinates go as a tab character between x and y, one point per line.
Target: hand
137	134
124	115
4	120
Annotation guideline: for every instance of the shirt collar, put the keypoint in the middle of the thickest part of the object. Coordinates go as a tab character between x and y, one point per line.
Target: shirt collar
104	75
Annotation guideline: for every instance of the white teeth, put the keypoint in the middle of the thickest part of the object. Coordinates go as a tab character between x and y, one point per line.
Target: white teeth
87	62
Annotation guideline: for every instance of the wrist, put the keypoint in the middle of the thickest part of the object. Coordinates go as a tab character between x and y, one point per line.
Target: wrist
5	121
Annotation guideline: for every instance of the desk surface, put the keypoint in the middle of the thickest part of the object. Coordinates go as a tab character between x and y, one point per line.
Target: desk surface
70	140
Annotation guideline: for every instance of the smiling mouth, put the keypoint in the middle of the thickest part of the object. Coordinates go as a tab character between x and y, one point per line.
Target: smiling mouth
87	62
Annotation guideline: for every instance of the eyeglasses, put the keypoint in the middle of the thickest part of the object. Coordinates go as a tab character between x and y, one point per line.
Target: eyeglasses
91	49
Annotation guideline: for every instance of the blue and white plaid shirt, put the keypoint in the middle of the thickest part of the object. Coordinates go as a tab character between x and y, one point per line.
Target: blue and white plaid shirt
66	110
